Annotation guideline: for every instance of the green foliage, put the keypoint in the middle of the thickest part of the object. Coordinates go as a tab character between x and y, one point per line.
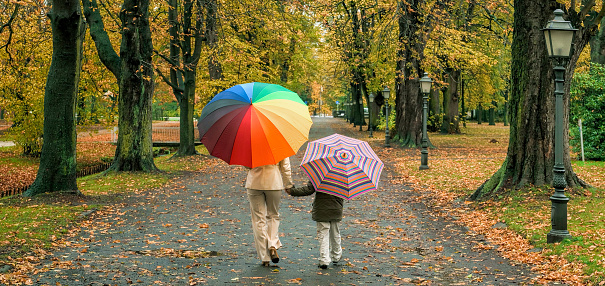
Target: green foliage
382	122
433	123
165	109
28	134
588	104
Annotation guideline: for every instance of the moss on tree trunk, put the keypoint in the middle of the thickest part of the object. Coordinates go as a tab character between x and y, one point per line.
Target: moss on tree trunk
57	171
134	151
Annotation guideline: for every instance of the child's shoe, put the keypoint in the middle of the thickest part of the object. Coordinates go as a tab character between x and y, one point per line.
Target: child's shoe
323	266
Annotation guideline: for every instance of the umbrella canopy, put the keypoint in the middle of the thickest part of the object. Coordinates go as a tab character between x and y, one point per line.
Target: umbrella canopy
254	124
342	166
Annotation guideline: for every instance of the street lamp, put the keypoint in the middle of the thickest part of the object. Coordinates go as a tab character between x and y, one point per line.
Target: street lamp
425	87
386	93
559	35
370	113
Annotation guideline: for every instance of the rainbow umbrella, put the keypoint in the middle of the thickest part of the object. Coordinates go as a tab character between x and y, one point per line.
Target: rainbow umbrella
342	166
254	124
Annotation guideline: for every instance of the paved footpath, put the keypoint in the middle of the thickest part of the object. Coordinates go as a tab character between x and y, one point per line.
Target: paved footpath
197	231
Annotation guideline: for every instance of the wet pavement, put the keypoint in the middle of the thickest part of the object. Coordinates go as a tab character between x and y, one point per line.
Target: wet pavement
197	231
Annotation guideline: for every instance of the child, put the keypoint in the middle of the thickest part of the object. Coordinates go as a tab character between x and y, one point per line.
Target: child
327	212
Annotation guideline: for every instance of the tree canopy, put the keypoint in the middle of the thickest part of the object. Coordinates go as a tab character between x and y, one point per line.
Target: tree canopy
327	51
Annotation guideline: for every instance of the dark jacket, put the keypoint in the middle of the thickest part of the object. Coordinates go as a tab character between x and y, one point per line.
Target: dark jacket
326	207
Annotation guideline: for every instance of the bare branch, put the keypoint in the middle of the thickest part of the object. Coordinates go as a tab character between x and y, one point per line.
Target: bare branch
584	11
172	63
111	15
105	50
168	82
9	26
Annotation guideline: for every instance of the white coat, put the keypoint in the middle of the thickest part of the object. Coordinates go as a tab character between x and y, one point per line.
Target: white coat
270	177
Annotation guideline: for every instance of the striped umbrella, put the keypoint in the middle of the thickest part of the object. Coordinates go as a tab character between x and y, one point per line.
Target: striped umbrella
342	166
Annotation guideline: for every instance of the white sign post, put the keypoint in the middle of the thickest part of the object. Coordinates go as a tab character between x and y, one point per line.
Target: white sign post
581	138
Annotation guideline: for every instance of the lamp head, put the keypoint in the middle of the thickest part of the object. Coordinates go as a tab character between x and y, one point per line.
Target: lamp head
386	92
559	36
425	83
372	97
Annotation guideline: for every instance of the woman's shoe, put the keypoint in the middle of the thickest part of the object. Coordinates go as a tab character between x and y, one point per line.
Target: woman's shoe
266	263
273	254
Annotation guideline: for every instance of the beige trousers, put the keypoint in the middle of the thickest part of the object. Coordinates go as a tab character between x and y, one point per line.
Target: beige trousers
264	207
328	235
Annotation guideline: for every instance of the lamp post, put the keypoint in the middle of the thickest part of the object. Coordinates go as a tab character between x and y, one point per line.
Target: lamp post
386	93
425	87
559	35
370	113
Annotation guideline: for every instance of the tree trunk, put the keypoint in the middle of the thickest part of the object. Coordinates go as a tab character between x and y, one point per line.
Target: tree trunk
434	109
134	73
597	45
359	56
214	66
451	124
463	107
479	115
373	110
356	112
285	66
134	150
57	171
186	105
408	99
506	104
434	102
190	48
492	114
530	155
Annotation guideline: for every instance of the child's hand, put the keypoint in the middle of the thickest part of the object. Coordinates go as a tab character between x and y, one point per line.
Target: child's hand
287	191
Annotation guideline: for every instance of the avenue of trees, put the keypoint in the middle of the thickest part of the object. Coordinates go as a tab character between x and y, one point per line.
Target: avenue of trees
109	61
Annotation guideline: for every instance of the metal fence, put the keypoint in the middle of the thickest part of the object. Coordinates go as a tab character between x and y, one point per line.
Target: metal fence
161	134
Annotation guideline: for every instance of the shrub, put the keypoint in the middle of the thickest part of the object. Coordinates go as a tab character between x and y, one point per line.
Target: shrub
588	103
28	134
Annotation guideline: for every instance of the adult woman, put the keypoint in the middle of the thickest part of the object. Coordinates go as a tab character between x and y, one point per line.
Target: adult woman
264	185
